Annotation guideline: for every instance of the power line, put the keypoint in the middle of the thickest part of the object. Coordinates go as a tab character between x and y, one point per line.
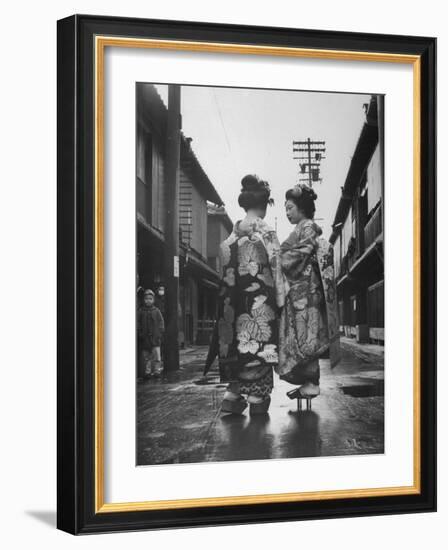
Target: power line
311	154
221	119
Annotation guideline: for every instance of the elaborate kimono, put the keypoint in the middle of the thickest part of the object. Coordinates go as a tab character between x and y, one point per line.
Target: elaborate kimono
251	293
309	325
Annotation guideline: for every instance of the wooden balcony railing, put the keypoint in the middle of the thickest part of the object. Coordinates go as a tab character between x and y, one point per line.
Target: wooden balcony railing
373	227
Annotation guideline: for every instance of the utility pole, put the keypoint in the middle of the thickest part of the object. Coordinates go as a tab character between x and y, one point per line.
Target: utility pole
171	232
311	155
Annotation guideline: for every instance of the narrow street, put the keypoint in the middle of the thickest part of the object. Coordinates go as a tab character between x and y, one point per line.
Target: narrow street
179	418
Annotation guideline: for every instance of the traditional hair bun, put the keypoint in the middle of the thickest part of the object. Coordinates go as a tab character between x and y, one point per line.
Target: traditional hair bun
309	192
254	192
302	190
250	183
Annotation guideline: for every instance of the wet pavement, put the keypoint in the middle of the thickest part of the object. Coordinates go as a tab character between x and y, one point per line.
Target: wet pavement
179	418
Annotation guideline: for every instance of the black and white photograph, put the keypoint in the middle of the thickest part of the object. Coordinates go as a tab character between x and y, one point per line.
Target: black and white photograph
259	274
219	285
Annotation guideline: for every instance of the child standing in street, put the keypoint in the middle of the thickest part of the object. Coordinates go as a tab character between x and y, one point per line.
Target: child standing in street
150	327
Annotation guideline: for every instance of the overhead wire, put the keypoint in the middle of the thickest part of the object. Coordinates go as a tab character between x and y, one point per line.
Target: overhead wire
221	119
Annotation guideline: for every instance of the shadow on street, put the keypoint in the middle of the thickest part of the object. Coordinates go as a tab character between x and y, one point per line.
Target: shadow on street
179	418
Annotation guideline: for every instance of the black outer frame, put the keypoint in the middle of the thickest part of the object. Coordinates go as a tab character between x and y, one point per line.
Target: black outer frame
75	402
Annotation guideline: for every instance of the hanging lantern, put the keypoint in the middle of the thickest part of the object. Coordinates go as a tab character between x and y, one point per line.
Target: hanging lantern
315	174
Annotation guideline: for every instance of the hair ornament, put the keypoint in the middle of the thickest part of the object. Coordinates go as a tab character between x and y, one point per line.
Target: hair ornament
303	189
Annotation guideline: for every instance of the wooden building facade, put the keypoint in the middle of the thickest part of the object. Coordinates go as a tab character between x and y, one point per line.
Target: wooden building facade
198	278
358	234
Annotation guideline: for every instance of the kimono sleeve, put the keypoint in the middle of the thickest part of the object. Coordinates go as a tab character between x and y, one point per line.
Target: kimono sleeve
225	255
302	243
326	267
272	246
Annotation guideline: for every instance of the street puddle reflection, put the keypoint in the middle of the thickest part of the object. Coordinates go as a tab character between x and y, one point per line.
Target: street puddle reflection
300	436
241	437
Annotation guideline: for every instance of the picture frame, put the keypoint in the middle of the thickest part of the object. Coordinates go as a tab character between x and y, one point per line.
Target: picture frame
82	41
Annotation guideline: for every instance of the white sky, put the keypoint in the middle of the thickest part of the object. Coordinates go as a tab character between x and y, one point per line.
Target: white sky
243	131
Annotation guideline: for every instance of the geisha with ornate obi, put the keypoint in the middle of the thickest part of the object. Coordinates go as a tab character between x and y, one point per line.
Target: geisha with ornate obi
251	293
309	325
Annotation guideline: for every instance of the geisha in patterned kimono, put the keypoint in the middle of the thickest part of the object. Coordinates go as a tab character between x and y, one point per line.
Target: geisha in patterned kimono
309	326
250	297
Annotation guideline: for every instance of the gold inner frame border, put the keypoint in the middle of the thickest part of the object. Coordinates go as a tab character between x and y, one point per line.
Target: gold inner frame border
101	42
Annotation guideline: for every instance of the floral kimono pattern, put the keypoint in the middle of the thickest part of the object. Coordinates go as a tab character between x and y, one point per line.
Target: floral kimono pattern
251	292
309	324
